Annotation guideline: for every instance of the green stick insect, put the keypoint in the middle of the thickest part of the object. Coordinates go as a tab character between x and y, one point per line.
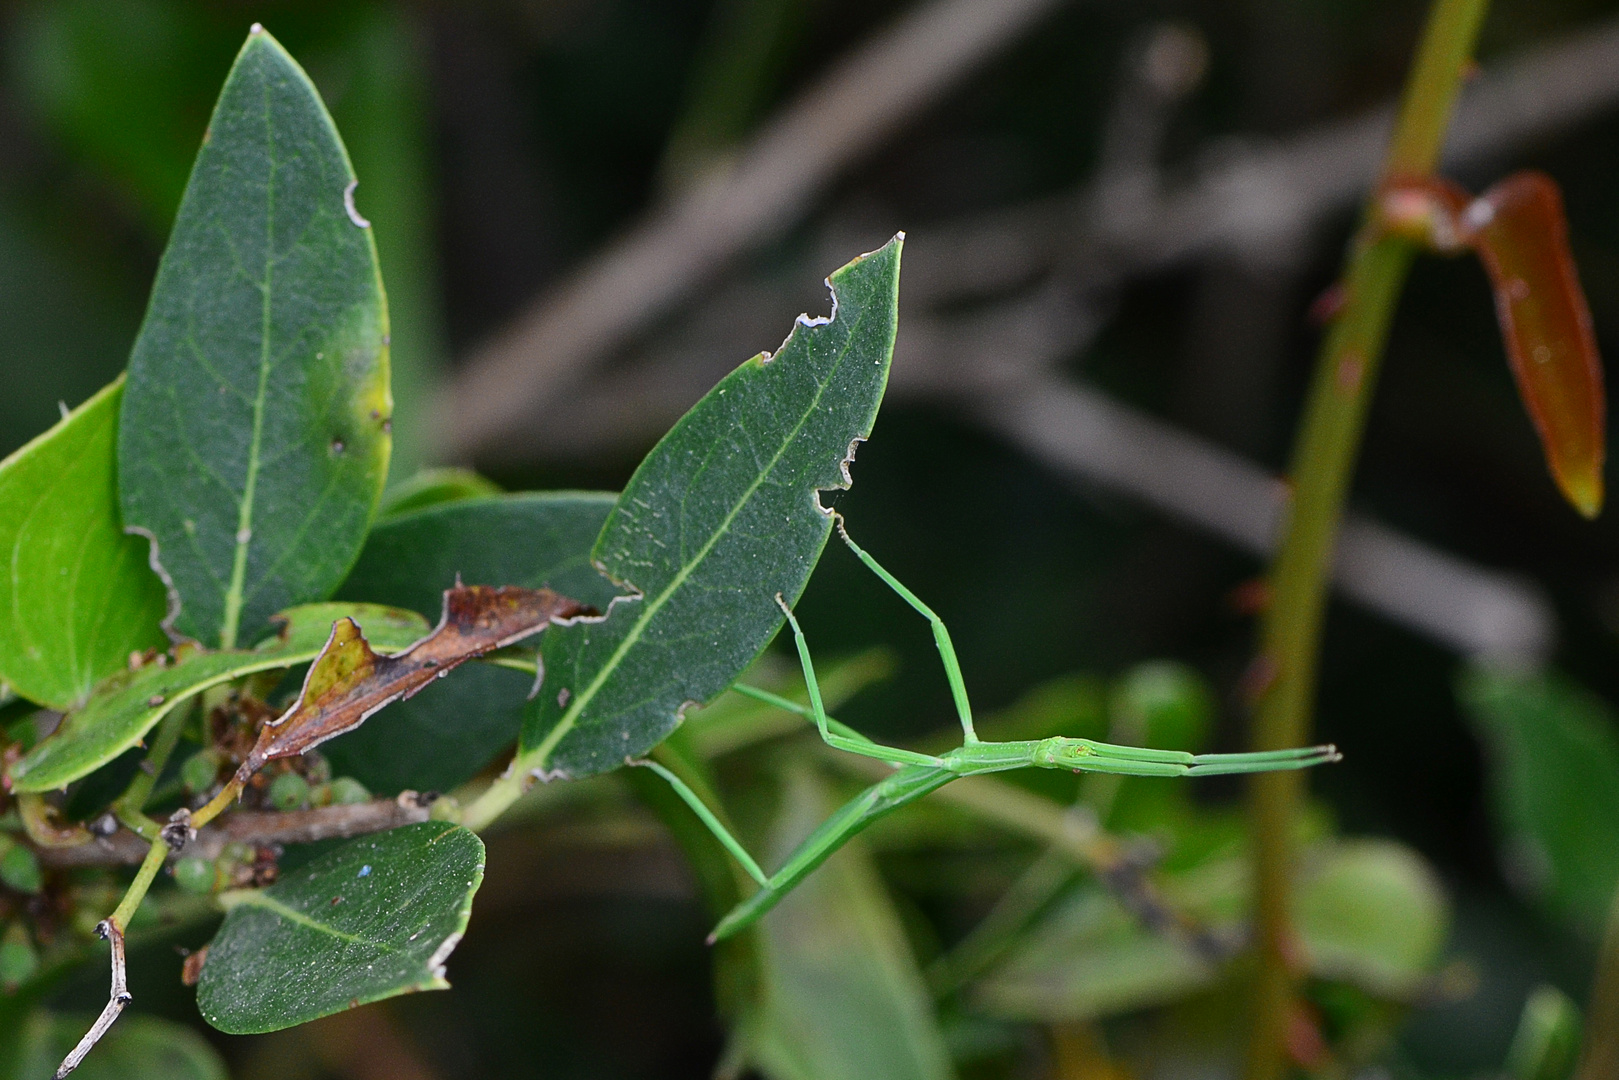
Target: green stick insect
918	774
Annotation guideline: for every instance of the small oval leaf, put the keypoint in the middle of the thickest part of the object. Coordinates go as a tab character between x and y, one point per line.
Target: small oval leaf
375	918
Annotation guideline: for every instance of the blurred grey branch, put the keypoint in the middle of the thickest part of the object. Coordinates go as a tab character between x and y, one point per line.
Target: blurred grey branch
1051	269
770	185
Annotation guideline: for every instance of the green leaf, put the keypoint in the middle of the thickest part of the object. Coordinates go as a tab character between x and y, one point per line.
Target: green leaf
78	597
721	516
450	730
1554	751
431	487
844	999
137	1046
254	441
128	705
374	918
1373	913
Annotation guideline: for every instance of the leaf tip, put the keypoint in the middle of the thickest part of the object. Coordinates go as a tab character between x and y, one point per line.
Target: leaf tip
1583	491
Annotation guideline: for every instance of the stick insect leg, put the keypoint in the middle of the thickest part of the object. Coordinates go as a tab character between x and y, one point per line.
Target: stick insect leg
708	818
842	738
941	634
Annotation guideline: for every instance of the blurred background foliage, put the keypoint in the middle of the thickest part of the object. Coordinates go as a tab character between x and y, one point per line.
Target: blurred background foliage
1461	861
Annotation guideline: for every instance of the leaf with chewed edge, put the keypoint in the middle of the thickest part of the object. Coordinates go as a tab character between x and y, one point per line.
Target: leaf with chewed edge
444	735
722	516
349	681
375	918
129	704
254	438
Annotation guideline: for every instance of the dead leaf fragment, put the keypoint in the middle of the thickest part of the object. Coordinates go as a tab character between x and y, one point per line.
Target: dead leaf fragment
348	681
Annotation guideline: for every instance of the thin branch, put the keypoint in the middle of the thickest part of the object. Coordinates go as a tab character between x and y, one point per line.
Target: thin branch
116	1000
773	182
125	848
1464	606
1251	201
1254	199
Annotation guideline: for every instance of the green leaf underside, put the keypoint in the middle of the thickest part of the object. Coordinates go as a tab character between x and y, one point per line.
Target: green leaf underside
1370	912
137	1046
128	705
254	441
375	918
77	596
1555	775
454	727
722	515
844	999
431	487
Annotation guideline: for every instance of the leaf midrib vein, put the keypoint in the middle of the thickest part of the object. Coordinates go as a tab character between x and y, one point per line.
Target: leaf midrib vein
244	520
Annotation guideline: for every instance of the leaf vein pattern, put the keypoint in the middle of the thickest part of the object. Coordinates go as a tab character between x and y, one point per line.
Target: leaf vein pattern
542	752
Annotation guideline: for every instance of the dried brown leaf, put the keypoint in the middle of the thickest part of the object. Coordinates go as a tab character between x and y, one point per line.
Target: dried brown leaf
349	681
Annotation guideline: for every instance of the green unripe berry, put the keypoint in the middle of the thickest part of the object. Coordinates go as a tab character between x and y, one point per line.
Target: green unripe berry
289	791
195	875
19	868
18	960
347	791
199	771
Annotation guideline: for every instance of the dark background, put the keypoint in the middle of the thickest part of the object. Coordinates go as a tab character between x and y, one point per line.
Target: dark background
499	144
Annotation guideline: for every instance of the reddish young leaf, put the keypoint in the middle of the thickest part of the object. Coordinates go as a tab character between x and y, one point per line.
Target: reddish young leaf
1520	233
348	681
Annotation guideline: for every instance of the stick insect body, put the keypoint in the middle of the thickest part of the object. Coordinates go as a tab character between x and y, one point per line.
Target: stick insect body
918	774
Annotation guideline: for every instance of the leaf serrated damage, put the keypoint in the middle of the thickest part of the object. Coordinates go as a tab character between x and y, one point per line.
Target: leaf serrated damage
349	681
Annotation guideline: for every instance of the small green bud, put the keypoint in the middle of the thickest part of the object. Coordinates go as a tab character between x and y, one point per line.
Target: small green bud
347	791
20	869
199	771
289	791
18	960
195	875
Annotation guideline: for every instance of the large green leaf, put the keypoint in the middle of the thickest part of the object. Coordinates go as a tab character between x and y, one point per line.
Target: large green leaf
843	999
721	516
129	704
77	596
375	918
450	730
1554	752
137	1046
254	441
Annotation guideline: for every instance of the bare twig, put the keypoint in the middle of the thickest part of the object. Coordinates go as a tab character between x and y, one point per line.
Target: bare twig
125	848
116	1001
833	123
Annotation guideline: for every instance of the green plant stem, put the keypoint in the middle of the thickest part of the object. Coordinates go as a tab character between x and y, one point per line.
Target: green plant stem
1323	464
1599	1053
140	886
139	792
